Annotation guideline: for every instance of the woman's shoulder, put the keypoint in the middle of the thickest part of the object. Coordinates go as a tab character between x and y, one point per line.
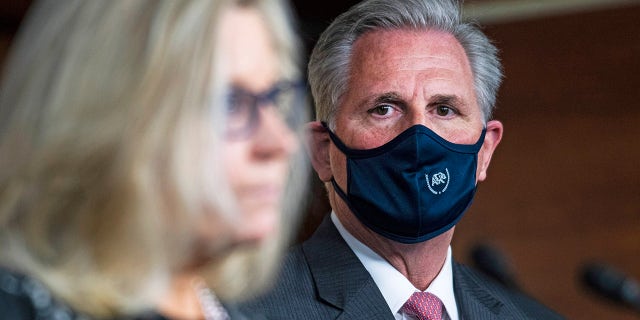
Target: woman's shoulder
13	304
22	297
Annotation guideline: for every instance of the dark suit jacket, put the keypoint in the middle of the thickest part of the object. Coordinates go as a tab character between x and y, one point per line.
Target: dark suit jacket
323	279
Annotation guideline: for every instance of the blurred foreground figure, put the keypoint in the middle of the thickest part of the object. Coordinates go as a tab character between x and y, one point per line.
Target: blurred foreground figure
404	92
149	157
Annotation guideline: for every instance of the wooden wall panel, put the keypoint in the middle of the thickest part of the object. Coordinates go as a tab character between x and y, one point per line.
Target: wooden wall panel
564	186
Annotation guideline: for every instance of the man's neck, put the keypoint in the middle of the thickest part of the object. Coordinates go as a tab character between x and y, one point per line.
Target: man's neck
420	263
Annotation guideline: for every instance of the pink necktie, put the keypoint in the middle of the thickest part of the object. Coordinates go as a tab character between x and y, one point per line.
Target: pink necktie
424	305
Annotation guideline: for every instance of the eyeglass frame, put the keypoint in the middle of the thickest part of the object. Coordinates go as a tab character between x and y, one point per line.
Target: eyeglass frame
266	98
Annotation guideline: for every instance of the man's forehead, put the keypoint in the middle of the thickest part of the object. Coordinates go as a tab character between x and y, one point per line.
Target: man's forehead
407	49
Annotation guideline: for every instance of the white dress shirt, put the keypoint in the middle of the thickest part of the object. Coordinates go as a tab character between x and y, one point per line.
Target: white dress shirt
395	288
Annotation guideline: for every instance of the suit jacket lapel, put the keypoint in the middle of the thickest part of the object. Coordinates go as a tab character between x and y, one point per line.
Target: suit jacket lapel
341	279
475	301
343	283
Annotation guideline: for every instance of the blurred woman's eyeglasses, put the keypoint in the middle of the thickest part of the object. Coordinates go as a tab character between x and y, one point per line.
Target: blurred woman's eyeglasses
243	114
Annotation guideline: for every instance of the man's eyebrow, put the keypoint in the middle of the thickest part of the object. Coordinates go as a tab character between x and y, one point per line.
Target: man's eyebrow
388	97
453	100
396	98
379	98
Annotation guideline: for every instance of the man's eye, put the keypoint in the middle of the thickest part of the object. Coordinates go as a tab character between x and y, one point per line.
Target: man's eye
381	110
444	111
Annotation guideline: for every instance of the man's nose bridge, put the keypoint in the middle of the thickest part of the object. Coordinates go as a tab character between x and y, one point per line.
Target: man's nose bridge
417	115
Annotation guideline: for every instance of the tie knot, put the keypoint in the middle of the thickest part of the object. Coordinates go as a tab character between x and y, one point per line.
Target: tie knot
424	305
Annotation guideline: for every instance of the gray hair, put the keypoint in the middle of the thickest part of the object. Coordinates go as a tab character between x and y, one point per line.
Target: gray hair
329	64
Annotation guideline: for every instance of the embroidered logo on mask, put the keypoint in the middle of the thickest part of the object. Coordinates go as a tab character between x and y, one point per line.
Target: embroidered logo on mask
439	181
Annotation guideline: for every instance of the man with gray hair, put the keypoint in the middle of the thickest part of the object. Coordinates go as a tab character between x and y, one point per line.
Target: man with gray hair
404	92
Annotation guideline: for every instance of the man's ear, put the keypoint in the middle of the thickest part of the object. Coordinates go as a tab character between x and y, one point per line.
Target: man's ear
491	141
318	143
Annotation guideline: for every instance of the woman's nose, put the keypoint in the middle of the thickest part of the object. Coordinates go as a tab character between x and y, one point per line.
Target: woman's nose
273	138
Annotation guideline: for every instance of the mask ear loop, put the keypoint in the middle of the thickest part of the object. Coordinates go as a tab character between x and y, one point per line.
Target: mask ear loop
336	187
335	139
340	192
340	146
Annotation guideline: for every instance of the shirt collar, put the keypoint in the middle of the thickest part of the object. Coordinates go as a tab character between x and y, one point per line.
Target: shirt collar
395	288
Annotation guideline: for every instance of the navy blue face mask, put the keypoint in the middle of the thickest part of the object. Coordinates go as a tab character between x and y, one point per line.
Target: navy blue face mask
414	187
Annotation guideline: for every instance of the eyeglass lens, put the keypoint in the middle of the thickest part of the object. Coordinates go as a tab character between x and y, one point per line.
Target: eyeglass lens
243	115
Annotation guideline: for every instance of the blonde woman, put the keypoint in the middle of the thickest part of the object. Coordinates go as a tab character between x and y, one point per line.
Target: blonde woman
149	157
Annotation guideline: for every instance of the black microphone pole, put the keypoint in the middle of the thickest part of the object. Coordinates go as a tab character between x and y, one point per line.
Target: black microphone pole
612	284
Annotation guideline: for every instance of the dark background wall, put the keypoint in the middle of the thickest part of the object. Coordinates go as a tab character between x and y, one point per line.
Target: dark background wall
564	186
